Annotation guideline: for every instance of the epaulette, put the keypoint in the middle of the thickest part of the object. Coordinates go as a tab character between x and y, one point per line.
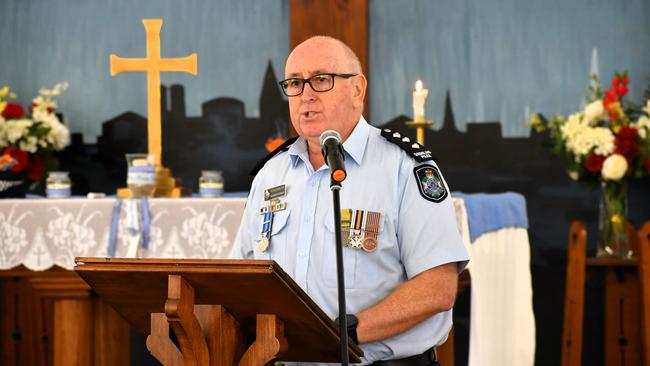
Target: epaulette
412	148
285	146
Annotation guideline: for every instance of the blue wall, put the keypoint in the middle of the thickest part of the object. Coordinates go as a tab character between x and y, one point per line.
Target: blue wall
43	42
501	58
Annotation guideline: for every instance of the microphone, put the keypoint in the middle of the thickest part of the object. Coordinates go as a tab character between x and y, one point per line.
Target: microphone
330	142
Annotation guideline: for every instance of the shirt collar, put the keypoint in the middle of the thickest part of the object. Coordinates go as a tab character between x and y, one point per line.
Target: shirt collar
354	146
356	143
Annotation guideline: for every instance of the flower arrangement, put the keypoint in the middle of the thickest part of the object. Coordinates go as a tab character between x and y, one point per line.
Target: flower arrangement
27	141
607	143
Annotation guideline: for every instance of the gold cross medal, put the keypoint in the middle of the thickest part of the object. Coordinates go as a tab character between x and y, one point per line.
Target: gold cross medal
356	232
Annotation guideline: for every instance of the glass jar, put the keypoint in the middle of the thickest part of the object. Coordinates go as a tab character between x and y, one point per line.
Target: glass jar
141	174
58	185
211	183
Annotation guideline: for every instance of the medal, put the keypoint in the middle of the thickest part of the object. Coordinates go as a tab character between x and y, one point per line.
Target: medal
265	236
369	244
356	239
273	195
346	217
264	244
371	229
356	233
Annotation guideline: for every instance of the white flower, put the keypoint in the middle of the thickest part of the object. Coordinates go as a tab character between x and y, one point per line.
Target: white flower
574	174
30	144
58	88
643	126
58	135
16	129
614	167
594	112
603	140
41	105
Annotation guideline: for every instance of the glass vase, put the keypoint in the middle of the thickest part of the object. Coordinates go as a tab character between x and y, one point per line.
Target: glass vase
613	240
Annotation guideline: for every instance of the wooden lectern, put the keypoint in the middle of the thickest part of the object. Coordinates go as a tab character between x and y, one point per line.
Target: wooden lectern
222	312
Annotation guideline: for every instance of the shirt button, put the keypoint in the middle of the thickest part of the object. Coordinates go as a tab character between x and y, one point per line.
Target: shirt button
307	218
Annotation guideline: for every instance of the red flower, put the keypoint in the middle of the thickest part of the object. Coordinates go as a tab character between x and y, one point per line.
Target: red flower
621	90
13	110
594	163
627	133
35	169
626	148
624	79
21	157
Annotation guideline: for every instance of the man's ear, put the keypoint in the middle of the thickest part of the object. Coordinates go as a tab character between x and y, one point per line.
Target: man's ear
359	84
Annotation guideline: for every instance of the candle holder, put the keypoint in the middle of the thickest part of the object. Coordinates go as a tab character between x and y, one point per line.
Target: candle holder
419	124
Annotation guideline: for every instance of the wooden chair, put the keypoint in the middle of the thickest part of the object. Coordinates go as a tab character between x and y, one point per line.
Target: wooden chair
627	304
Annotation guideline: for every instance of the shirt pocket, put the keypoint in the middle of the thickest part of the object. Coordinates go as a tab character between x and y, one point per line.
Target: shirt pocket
361	268
277	241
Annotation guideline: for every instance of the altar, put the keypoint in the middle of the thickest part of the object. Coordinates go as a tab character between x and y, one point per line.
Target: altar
51	315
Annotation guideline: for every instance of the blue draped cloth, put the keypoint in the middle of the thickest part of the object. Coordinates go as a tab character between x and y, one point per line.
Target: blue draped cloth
488	212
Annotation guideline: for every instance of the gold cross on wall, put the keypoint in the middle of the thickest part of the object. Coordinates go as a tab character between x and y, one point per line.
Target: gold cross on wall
153	65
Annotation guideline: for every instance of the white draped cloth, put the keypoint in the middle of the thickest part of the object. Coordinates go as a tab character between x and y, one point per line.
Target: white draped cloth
502	322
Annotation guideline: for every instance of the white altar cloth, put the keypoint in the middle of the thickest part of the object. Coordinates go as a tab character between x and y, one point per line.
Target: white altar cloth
41	233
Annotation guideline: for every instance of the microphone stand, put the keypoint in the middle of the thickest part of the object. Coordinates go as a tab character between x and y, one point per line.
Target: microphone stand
343	322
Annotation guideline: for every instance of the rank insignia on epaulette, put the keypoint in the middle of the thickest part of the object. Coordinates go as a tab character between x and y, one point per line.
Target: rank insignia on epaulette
413	149
430	183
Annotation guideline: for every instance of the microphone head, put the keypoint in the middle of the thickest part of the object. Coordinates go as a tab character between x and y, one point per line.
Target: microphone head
329	134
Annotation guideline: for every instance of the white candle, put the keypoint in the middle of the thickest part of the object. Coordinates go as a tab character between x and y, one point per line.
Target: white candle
419	96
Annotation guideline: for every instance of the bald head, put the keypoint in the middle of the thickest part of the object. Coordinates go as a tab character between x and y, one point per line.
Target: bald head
327	62
346	57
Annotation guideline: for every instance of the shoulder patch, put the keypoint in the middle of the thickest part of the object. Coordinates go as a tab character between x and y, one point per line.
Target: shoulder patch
430	183
284	147
412	148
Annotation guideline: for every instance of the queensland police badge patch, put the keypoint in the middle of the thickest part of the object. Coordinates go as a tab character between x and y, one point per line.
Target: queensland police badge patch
430	183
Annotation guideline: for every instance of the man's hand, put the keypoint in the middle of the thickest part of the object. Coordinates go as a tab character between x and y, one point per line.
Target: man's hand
431	292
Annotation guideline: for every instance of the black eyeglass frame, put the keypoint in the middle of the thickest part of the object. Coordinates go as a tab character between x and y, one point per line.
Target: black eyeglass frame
308	81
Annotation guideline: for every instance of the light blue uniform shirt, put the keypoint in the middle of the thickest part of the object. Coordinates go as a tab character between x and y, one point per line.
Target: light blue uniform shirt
415	234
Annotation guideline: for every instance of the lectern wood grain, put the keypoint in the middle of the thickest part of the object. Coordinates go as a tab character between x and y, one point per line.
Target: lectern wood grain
136	288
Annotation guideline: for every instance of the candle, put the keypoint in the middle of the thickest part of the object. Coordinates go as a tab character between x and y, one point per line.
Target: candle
419	96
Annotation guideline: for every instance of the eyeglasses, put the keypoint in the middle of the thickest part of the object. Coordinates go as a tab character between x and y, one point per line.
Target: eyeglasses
293	87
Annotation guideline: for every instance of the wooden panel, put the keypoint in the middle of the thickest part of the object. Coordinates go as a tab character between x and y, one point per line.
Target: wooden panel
346	20
574	296
622	334
111	336
73	332
644	282
27	321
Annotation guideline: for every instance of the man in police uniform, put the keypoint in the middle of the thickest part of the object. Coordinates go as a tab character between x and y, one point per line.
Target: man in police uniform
402	251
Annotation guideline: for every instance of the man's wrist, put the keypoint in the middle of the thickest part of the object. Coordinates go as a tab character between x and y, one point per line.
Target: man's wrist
352	322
